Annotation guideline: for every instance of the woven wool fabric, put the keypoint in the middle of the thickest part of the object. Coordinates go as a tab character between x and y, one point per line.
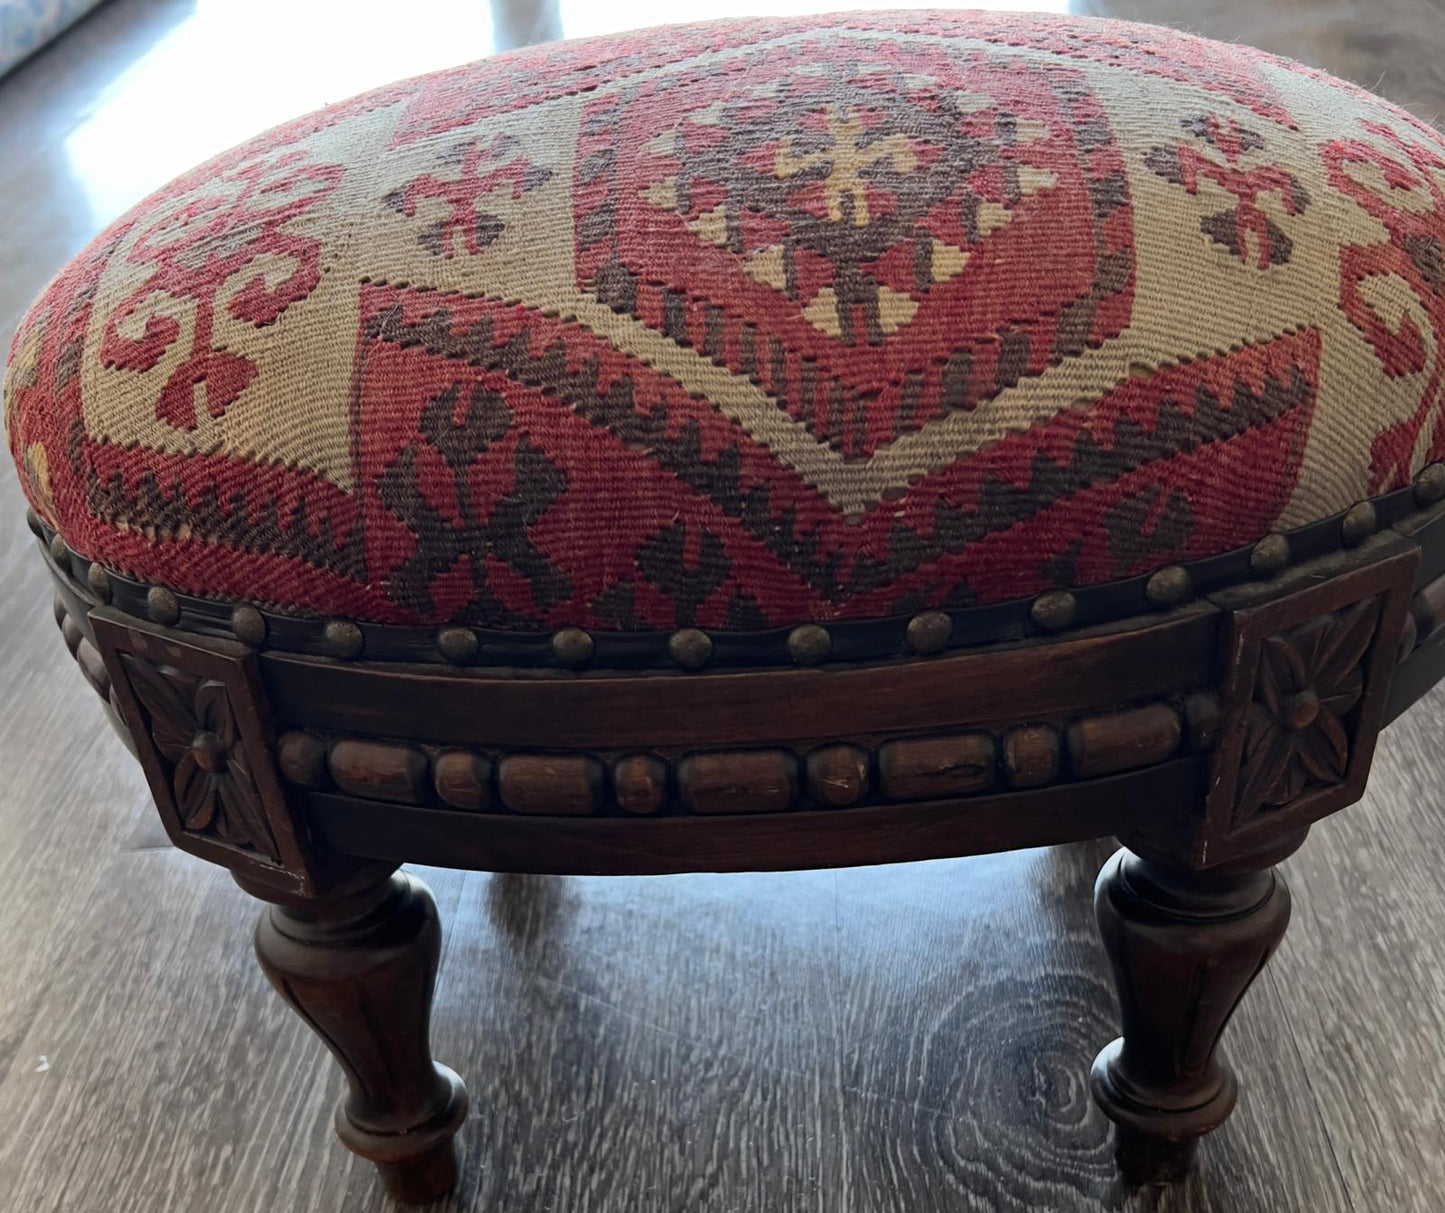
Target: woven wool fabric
746	323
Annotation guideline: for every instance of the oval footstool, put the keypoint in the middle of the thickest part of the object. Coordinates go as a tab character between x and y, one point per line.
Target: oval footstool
759	445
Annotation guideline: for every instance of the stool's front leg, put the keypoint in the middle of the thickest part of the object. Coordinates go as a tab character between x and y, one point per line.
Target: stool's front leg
360	969
1185	946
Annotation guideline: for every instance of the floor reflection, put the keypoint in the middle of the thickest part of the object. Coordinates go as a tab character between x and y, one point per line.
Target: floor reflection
239	77
582	18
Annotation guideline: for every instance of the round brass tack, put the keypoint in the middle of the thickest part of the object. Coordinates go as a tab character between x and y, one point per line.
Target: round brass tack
691	648
572	646
1358	524
1168	587
248	625
99	581
162	605
929	632
32	520
343	638
1054	611
809	644
1270	556
458	645
59	550
1430	484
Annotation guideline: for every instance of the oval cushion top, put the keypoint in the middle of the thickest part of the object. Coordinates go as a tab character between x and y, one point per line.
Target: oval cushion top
743	324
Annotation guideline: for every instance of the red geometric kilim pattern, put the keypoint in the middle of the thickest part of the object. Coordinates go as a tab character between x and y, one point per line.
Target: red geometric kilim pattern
747	323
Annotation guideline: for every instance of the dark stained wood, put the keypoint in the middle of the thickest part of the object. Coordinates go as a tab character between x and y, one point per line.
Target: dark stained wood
1031	755
463	779
1346	613
1342	612
360	969
838	775
1427	610
303	761
1185	946
1102	745
925	768
723	842
738	781
379	770
639	782
202	732
550	784
1034	679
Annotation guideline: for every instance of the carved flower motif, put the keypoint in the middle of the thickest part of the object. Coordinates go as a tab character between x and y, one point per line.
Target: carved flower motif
195	730
1297	734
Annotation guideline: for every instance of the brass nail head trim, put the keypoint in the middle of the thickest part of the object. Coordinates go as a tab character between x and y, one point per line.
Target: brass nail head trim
1358	525
458	645
1270	556
1054	611
99	582
1168	587
691	648
809	644
162	605
343	638
572	646
248	624
929	632
1430	484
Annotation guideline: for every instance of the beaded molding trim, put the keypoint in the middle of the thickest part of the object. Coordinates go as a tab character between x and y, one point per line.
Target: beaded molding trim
772	779
927	633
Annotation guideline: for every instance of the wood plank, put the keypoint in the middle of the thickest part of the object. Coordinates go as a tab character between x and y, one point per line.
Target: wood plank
1100	669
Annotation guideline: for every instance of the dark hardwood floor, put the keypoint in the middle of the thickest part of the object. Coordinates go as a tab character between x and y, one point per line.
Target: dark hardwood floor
909	1038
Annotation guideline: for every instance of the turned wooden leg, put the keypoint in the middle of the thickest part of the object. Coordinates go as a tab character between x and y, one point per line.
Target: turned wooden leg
360	969
1185	946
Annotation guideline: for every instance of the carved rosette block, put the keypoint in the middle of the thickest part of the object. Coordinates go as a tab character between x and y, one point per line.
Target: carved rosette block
1306	677
196	711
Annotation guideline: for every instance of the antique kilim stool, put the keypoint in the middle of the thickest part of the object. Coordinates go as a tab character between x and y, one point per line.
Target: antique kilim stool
763	444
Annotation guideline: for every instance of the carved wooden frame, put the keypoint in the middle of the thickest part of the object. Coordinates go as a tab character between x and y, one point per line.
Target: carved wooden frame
1207	727
219	797
1042	739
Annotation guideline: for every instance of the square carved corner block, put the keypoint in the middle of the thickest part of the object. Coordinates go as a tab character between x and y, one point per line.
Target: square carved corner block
198	717
1303	698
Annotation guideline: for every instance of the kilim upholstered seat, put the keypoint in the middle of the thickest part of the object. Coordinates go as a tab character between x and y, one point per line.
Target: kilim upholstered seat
763	444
